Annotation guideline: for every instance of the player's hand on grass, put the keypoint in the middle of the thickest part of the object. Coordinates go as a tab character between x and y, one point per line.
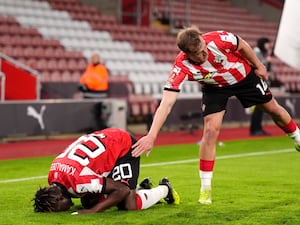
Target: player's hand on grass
145	144
83	211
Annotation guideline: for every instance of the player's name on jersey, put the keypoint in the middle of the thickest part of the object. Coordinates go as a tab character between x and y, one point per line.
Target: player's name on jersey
63	168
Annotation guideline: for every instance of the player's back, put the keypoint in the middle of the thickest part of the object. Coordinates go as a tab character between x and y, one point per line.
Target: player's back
92	153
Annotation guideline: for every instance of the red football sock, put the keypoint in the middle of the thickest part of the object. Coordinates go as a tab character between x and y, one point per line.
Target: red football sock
206	165
290	127
138	201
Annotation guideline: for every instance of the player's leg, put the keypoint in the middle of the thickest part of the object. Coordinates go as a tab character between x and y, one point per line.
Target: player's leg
207	151
256	92
283	120
138	199
126	170
146	198
214	103
142	199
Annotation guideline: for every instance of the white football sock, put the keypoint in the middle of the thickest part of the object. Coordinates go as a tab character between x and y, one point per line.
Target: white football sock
206	178
295	136
150	197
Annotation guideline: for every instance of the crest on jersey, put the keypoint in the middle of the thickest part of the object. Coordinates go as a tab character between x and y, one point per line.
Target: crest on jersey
219	59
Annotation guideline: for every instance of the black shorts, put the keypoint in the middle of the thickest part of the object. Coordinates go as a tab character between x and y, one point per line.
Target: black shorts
250	91
127	169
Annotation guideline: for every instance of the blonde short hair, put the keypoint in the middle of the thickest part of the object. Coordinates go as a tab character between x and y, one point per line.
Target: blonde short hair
188	37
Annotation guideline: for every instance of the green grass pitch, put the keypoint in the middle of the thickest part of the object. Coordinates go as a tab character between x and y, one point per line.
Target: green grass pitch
255	182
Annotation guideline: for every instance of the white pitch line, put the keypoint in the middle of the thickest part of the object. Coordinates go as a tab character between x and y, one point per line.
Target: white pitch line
22	179
172	163
221	157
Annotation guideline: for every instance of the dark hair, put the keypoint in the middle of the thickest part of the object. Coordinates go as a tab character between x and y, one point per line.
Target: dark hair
188	37
261	44
45	199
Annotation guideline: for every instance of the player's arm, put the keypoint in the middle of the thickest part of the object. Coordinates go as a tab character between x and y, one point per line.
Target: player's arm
145	144
116	192
164	109
248	53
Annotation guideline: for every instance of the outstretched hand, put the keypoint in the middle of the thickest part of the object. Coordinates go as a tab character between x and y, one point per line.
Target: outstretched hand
145	144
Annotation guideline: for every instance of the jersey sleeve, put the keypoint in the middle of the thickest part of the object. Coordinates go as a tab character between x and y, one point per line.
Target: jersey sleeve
176	78
229	41
89	182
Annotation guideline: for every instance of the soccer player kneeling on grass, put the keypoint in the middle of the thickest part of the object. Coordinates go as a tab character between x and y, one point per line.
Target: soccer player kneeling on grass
99	169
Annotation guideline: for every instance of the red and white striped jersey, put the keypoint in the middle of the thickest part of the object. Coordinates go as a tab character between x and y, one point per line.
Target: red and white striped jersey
82	166
225	65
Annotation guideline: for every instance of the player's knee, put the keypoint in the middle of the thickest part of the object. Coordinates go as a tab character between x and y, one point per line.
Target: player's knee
211	132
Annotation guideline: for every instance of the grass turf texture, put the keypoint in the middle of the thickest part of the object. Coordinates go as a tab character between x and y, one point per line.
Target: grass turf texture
257	189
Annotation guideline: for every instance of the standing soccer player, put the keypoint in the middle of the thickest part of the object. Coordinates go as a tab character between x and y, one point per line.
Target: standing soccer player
226	66
99	169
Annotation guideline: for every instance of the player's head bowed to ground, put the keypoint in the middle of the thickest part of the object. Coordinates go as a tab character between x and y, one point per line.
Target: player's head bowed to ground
99	169
52	199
